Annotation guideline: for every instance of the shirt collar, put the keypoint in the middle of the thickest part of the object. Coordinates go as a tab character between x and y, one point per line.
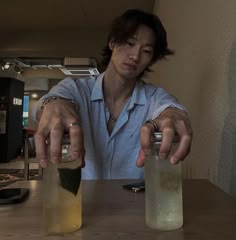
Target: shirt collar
97	93
138	96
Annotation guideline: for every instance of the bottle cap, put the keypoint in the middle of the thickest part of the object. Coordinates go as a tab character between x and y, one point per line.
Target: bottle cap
158	137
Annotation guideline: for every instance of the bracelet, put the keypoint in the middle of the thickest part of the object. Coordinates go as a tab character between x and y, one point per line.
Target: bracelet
156	128
54	98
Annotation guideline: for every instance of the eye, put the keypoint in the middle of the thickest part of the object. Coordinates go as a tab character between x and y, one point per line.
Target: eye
148	51
130	43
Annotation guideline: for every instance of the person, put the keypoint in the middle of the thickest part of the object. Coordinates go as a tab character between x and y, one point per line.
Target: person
111	117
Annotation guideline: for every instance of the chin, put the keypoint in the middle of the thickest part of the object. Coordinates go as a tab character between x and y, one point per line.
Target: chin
129	74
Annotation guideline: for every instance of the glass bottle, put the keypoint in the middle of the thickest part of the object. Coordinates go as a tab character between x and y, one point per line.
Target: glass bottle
62	194
163	190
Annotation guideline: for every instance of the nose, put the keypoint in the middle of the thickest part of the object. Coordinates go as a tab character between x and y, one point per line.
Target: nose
135	54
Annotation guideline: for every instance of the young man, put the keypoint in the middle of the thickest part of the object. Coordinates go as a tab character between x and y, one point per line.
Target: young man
107	115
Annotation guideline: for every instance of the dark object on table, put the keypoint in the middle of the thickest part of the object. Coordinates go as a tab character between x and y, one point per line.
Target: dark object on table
135	187
13	195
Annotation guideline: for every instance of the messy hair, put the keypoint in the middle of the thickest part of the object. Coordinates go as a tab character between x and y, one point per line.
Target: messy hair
126	25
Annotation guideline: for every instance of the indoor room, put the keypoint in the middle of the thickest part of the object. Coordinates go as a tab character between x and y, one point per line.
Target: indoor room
44	42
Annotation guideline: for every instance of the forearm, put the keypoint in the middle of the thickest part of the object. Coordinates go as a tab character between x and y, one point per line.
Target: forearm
162	101
58	100
63	90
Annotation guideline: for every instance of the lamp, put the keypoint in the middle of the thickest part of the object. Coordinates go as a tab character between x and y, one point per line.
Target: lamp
34	95
7	65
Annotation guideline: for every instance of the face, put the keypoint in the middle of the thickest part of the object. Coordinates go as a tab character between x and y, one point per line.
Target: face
132	57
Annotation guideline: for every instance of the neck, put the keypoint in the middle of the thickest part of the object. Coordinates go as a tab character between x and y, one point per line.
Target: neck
115	87
116	91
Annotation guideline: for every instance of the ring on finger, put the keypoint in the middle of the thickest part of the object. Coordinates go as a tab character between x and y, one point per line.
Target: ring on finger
154	124
73	124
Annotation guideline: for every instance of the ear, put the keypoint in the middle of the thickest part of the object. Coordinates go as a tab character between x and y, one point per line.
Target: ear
111	44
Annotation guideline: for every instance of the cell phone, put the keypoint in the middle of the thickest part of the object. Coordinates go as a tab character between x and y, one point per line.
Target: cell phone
135	187
13	195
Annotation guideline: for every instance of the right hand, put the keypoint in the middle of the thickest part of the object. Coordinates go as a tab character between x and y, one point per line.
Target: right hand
53	123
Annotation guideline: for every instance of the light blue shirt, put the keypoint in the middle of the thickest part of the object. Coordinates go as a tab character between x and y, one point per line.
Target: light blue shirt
112	156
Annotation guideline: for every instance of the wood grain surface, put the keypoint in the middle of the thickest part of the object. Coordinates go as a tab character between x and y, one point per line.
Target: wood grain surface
111	212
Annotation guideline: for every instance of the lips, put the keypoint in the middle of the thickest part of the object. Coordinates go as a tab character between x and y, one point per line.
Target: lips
131	66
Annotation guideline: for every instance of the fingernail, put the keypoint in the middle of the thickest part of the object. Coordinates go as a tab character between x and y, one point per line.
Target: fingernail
43	163
75	155
147	152
173	160
163	156
54	159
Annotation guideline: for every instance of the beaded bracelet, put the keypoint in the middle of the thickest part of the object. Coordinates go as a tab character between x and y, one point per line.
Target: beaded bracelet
54	98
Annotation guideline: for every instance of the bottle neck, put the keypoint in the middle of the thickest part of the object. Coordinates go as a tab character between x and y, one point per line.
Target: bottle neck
155	148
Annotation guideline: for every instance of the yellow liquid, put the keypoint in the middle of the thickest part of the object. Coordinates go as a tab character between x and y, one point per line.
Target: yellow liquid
163	194
65	214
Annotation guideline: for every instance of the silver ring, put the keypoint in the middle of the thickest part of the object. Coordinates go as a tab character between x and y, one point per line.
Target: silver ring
73	124
154	124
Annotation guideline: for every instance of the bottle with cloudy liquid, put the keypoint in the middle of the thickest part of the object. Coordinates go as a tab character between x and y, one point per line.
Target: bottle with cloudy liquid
163	190
62	203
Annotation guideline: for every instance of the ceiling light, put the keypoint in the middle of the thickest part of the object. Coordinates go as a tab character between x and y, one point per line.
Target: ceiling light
7	65
34	95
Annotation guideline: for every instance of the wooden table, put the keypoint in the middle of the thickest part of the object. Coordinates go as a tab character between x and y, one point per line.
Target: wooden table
111	212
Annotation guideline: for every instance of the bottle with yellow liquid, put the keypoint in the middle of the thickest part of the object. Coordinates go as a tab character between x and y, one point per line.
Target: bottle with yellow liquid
163	190
62	194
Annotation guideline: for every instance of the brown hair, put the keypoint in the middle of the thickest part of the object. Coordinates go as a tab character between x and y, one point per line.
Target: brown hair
125	26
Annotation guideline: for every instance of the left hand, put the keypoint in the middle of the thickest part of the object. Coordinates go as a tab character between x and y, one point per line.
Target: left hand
171	122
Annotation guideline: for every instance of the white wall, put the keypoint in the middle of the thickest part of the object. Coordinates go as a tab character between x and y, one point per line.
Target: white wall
202	74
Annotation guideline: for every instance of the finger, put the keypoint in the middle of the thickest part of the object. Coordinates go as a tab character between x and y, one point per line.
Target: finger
182	149
140	160
77	149
146	137
82	159
168	135
56	139
41	147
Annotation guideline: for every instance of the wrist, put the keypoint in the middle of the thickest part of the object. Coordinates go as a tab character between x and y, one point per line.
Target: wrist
50	99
